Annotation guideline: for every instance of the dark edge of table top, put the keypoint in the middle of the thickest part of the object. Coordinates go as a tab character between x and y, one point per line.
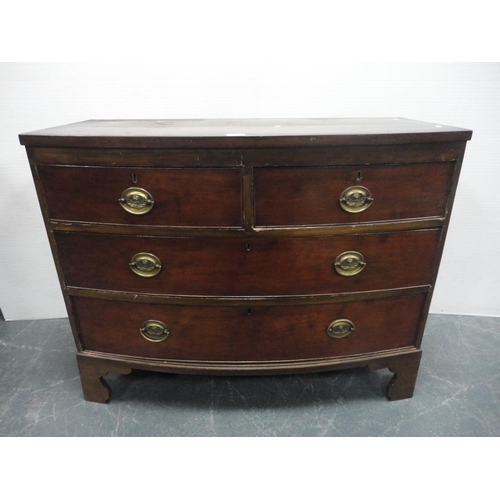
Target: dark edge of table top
243	133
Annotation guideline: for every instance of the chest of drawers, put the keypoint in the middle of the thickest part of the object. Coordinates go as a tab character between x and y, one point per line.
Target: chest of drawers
247	247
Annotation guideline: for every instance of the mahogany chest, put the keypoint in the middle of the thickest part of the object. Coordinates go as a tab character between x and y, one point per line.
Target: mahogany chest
228	247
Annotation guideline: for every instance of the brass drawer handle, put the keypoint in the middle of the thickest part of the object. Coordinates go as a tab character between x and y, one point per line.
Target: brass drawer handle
355	199
145	264
340	328
154	330
349	263
136	201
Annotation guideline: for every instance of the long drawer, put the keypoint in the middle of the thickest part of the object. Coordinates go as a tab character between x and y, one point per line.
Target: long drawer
288	196
246	267
180	197
243	334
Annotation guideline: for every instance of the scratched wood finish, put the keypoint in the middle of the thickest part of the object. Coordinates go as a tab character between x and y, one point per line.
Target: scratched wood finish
248	334
205	197
308	196
226	266
237	133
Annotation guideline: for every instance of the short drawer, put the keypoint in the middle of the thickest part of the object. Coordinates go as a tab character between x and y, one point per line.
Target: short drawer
243	334
240	267
295	196
206	197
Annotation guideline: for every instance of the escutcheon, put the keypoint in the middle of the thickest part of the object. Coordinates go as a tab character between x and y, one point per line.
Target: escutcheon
355	199
136	201
340	328
349	263
145	264
154	330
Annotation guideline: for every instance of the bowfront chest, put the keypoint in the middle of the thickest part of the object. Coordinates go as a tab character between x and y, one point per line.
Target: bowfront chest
247	247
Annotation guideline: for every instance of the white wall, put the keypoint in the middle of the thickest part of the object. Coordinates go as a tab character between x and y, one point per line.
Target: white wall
35	96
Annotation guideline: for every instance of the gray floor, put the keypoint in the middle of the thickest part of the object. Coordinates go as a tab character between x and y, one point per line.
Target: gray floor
457	393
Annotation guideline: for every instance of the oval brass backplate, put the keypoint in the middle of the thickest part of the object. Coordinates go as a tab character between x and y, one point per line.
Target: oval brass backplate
136	201
145	264
349	263
355	199
154	330
340	328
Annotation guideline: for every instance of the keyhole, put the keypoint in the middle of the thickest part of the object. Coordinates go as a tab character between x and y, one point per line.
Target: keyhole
134	178
359	175
249	312
248	247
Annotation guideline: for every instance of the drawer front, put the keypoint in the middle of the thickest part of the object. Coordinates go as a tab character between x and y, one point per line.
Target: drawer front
182	197
292	196
240	334
239	267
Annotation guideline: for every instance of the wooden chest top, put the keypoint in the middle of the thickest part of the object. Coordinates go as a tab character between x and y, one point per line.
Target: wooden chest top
230	133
